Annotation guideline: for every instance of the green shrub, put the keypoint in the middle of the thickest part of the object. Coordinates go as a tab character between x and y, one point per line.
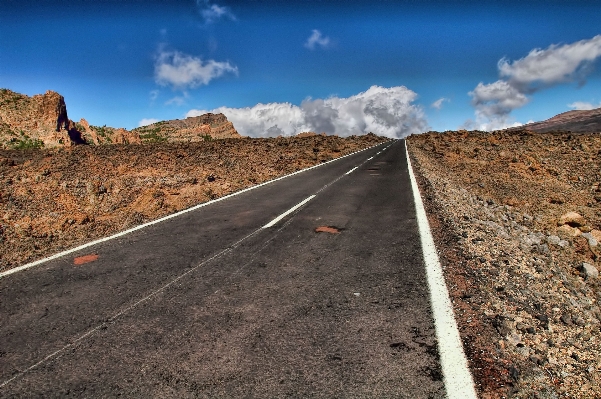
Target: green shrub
25	143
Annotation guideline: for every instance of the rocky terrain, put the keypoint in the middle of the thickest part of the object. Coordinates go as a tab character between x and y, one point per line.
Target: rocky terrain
192	129
517	220
41	121
54	199
572	121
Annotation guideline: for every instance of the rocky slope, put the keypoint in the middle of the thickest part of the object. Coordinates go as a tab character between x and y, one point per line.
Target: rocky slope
573	121
517	219
54	199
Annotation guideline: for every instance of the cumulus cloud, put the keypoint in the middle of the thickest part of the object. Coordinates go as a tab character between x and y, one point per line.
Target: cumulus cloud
385	111
438	103
180	71
583	106
147	121
556	64
485	124
317	40
497	99
539	70
213	12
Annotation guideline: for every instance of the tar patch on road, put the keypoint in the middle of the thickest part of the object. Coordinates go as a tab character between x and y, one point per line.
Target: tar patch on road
328	229
85	259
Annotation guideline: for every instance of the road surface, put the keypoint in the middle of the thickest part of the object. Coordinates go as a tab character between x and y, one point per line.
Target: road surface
229	300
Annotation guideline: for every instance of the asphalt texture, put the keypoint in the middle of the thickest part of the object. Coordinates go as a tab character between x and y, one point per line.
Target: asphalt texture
330	302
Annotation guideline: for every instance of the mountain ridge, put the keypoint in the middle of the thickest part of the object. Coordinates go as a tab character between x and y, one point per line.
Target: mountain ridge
42	121
575	121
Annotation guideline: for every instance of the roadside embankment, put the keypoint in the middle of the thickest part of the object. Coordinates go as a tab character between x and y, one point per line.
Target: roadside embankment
517	220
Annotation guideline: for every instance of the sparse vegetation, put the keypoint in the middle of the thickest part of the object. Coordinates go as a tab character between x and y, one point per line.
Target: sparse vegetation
25	142
152	133
104	132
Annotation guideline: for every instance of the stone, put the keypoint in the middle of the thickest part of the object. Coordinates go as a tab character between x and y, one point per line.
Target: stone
537	359
514	339
566	318
572	219
569	230
596	234
588	271
555	240
592	242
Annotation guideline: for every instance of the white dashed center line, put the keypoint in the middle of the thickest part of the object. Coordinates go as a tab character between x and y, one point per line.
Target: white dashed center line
351	171
289	211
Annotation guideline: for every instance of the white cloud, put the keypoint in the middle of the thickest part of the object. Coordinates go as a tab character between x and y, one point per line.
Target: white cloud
385	111
213	12
539	70
497	99
317	39
583	106
556	64
438	103
486	124
147	121
179	70
154	94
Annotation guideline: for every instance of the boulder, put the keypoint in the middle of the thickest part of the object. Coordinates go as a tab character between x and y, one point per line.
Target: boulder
588	271
572	219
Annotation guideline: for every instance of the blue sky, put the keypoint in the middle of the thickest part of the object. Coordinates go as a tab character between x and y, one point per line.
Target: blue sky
344	67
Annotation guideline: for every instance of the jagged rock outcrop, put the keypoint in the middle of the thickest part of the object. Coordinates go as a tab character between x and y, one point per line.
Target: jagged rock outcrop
98	135
193	129
38	121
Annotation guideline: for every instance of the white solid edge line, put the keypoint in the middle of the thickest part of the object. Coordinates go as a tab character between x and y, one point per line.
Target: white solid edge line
289	211
457	378
195	207
351	171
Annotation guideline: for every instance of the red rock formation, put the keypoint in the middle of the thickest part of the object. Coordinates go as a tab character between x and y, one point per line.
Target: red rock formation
41	118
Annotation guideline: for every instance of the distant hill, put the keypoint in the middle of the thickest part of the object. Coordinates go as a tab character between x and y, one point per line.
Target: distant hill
196	128
42	121
588	121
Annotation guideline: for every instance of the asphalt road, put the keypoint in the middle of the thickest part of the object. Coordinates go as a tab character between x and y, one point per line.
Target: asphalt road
212	304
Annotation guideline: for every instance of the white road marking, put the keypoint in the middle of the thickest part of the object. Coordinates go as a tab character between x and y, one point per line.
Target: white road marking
289	211
351	171
173	215
457	378
370	158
